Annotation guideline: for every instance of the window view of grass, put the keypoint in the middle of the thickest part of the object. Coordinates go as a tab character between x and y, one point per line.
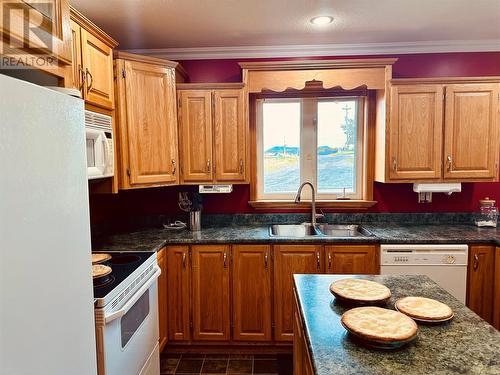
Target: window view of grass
336	159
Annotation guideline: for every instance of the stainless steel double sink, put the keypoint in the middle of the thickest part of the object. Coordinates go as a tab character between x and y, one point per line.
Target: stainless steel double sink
305	230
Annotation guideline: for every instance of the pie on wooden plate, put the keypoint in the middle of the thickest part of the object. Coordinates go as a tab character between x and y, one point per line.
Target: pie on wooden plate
100	270
100	257
380	325
360	290
424	308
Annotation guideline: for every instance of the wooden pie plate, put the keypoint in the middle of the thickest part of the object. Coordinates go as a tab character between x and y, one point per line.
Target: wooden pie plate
360	291
100	270
379	328
424	310
100	258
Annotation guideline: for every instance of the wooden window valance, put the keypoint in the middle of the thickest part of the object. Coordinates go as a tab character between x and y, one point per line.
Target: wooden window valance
346	74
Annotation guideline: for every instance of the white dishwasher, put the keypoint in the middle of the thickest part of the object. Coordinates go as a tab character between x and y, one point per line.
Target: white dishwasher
445	264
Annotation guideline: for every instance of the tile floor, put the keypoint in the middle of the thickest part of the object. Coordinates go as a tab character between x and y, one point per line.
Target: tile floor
230	364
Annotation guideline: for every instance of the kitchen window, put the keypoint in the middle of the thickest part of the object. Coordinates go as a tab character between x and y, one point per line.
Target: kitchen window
316	139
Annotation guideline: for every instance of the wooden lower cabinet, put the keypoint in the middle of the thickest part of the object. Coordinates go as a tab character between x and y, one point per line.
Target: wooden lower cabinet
301	359
352	259
178	297
481	281
210	286
288	260
496	291
162	298
251	283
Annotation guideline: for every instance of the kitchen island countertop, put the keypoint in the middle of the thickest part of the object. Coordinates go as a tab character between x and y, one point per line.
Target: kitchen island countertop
466	345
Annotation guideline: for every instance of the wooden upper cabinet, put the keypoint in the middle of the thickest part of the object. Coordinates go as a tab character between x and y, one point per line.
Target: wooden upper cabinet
230	136
415	137
162	298
195	127
92	67
97	58
178	296
471	131
49	31
214	131
147	121
290	259
251	282
352	259
211	301
481	281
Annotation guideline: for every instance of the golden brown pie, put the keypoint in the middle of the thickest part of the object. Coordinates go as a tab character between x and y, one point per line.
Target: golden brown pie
99	270
378	324
360	290
99	258
424	308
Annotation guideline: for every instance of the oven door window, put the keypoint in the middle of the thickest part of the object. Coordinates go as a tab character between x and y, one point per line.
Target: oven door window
134	317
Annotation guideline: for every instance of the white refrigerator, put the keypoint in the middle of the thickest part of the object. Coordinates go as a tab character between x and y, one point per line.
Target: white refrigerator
46	296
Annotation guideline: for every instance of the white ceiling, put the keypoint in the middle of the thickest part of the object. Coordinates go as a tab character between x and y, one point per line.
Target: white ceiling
167	24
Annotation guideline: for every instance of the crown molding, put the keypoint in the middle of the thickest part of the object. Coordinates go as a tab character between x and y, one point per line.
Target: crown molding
245	52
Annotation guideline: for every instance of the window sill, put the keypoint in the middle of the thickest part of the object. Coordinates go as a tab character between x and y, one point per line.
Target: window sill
290	204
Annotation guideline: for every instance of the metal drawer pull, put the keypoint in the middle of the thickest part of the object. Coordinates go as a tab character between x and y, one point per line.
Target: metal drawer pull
450	162
317	260
183	260
241	166
174	167
225	260
82	77
87	73
266	261
476	261
329	261
394	164
208	166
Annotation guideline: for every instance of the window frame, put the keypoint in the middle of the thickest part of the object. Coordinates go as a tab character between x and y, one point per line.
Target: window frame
308	131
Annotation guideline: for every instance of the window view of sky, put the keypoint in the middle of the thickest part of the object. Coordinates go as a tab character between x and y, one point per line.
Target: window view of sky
283	124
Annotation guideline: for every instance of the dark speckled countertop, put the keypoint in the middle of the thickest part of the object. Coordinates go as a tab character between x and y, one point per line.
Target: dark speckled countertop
156	238
466	345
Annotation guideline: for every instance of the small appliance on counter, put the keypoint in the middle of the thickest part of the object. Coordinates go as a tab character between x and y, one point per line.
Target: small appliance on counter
488	213
126	312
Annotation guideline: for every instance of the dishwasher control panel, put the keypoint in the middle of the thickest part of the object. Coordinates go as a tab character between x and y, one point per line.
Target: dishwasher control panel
423	255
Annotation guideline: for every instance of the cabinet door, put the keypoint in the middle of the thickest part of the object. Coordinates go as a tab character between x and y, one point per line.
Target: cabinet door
352	259
178	296
76	55
211	301
471	131
230	136
301	359
496	292
290	259
251	281
162	298
481	275
151	124
195	123
416	132
97	58
38	27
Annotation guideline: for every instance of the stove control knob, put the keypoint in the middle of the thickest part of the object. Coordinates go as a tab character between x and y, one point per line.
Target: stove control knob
450	259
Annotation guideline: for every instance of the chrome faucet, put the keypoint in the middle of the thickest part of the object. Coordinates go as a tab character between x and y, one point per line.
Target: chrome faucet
313	201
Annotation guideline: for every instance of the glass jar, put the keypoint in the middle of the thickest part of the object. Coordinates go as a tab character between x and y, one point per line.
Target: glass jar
488	213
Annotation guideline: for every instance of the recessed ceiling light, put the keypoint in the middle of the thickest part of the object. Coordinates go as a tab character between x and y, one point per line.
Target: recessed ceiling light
321	20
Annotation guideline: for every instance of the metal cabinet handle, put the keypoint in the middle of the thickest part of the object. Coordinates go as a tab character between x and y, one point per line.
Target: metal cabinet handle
394	164
174	167
183	260
329	261
318	265
266	260
91	82
225	260
241	166
450	162
208	166
476	262
82	77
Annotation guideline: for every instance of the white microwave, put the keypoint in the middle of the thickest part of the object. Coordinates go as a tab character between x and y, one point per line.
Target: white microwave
100	149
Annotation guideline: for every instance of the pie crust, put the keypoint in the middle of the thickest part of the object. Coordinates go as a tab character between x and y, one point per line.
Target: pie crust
100	257
360	290
100	270
424	308
378	324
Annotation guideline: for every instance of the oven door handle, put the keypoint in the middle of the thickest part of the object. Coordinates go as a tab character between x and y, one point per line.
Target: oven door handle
118	314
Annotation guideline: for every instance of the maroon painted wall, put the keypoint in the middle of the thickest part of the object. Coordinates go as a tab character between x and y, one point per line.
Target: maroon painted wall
390	197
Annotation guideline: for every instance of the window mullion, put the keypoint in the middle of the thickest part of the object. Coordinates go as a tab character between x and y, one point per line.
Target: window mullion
308	143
